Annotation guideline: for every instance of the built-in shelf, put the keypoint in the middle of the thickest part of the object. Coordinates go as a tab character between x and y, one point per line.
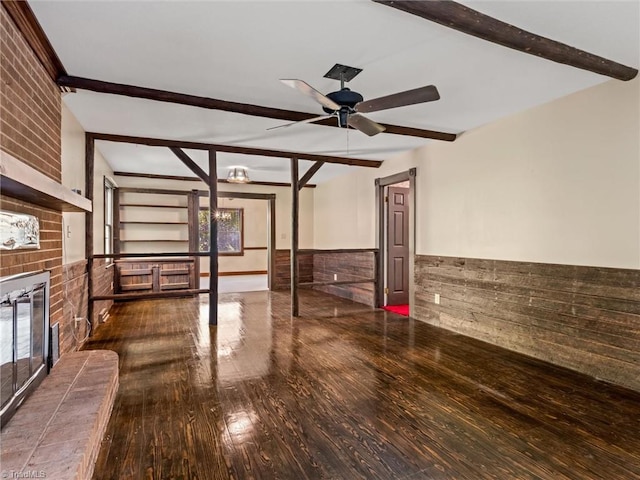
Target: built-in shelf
174	286
137	286
25	183
138	272
154	223
156	241
175	271
151	205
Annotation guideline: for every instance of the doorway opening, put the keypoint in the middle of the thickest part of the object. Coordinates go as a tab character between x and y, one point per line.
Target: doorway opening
396	241
246	242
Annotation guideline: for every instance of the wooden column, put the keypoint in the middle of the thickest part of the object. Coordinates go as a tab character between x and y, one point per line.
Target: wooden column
213	239
193	211
295	207
380	227
116	220
272	241
89	152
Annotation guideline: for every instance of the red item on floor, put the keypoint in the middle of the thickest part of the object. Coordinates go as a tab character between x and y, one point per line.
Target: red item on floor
399	309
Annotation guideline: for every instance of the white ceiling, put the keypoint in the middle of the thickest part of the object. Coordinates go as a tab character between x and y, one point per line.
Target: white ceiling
237	51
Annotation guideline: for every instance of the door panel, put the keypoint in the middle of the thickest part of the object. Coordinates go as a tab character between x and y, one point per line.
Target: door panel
398	276
397	246
398	230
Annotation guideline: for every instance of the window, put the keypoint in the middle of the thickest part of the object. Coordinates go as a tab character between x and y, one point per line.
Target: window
109	192
230	231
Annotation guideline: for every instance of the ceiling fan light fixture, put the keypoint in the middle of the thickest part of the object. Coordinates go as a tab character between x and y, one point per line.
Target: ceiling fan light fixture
238	175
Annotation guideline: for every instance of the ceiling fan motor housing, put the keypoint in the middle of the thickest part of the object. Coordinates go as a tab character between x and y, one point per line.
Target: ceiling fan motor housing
345	98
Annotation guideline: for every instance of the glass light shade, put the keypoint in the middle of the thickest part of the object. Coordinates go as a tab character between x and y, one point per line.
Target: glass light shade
238	175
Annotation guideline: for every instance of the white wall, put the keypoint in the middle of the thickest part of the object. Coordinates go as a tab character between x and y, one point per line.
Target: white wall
72	143
101	169
256	234
559	183
73	176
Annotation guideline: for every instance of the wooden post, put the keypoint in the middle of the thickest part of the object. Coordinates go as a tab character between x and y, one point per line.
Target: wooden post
376	279
272	241
89	151
295	207
213	239
116	220
380	225
193	211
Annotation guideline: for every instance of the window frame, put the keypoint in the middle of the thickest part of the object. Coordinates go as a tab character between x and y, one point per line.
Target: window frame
109	228
221	253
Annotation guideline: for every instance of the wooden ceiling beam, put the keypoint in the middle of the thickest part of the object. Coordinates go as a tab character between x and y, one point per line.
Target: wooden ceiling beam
193	166
223	105
466	20
310	173
28	25
262	152
198	179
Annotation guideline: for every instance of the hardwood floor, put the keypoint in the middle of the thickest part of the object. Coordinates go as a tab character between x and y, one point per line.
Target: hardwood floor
345	392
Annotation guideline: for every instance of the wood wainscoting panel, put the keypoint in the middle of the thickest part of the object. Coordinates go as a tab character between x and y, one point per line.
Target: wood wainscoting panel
103	284
282	277
346	266
583	318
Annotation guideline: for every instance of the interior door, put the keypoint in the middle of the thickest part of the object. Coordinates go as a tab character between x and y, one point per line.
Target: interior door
397	246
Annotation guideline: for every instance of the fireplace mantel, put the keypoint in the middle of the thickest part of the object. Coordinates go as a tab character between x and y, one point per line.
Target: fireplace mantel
19	180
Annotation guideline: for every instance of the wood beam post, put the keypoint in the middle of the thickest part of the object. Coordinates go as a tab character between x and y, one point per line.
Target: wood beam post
293	257
188	161
89	160
116	220
310	173
271	256
213	239
193	214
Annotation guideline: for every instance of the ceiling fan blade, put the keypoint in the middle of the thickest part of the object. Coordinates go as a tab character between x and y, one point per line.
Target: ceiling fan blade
365	125
308	120
309	91
401	99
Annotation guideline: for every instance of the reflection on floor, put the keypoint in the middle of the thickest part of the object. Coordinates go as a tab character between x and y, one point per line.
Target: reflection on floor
345	392
238	283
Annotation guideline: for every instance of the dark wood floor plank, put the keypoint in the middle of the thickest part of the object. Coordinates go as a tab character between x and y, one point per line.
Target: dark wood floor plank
345	392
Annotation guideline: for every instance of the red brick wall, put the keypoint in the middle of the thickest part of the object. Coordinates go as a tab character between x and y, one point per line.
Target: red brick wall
30	131
75	292
30	104
74	288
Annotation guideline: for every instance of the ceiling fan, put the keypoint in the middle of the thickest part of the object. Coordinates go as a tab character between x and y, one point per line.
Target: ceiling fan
348	106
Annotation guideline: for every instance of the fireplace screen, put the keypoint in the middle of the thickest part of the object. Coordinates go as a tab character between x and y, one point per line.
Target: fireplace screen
24	332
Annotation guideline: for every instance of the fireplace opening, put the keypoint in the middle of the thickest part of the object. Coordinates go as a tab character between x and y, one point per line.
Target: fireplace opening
24	338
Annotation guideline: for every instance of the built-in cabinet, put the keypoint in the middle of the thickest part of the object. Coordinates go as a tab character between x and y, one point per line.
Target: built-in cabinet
155	275
155	221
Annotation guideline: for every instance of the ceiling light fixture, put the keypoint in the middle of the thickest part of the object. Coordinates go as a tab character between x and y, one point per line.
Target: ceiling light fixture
238	175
